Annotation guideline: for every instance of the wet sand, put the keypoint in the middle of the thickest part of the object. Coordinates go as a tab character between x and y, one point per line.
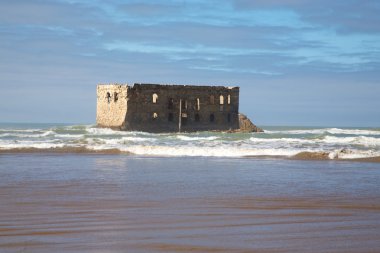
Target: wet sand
116	203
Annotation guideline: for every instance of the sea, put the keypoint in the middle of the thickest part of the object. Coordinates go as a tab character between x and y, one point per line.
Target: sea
79	188
283	142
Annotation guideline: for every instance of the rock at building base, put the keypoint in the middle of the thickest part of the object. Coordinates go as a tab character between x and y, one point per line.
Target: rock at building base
246	125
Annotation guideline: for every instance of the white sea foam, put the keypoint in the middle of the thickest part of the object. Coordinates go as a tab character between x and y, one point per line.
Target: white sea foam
359	140
277	140
26	134
137	139
108	131
104	131
214	152
353	154
21	130
353	131
196	138
356	140
32	145
72	136
326	131
339	143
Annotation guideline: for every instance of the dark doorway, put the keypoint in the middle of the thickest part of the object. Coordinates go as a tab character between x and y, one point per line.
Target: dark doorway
184	118
197	118
184	104
171	103
170	117
212	117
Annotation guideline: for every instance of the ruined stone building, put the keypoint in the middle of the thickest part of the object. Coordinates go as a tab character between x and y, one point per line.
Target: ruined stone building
167	108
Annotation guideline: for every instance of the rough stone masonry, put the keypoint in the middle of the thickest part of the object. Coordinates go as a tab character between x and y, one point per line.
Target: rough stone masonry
170	108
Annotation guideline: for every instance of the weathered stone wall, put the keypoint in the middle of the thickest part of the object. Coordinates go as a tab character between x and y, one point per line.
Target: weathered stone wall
161	108
112	106
196	111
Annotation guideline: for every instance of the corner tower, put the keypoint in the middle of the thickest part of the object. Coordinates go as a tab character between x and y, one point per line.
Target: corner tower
112	105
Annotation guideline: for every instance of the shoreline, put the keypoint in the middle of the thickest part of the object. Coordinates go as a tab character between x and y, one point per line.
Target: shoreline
302	156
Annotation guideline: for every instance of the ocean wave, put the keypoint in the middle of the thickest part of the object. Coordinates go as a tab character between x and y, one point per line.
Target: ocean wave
27	134
357	140
108	131
333	143
277	140
353	154
11	146
203	151
5	130
321	131
185	151
196	138
72	136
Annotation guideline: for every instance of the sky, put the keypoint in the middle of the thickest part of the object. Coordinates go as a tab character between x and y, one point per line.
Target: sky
306	63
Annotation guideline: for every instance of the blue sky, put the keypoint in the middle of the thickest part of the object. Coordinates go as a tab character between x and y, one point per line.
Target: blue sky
297	62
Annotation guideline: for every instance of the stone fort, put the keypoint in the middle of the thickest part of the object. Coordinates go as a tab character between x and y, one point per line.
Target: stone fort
169	108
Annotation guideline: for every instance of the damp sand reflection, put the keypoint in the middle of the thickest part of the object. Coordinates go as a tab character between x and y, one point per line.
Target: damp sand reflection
113	203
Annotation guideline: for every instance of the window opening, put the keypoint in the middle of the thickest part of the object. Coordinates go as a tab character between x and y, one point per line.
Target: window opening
115	97
229	99
155	98
184	105
198	104
155	115
171	103
108	97
221	100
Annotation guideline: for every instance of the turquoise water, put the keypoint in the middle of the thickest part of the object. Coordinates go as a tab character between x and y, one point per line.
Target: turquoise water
336	143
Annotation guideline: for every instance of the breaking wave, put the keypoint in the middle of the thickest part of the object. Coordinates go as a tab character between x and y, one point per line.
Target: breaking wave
326	143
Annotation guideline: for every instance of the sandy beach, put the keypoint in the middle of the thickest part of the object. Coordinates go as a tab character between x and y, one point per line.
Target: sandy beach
117	203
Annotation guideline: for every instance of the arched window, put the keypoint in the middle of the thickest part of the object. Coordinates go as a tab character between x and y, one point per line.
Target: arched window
212	99
108	97
155	115
221	100
212	117
155	98
229	99
115	97
198	104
